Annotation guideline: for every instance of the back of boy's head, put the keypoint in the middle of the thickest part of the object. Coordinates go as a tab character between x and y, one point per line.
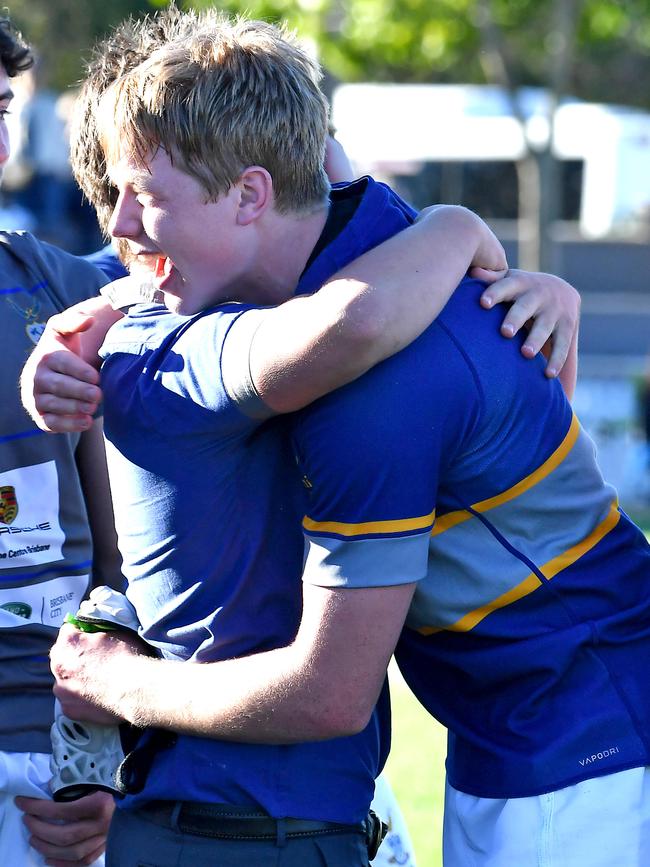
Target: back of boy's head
224	95
125	47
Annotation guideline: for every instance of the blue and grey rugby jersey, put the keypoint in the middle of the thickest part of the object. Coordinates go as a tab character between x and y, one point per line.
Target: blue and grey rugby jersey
456	464
45	543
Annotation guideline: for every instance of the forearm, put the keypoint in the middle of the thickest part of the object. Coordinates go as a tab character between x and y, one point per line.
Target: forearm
260	699
59	383
102	317
371	309
323	685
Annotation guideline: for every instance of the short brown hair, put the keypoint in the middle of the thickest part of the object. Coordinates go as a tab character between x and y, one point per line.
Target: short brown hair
229	94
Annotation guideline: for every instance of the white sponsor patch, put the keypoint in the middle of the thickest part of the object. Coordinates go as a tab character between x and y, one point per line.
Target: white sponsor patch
30	532
46	603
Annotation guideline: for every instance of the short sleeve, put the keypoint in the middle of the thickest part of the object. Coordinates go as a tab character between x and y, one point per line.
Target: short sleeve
236	368
371	457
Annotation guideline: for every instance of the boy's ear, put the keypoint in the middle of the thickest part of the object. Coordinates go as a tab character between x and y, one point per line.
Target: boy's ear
256	194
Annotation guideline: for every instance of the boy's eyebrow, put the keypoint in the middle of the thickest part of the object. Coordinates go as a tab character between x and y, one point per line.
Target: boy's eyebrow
137	177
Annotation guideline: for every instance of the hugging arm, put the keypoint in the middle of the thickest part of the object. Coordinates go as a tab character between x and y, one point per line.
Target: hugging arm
313	344
59	384
323	685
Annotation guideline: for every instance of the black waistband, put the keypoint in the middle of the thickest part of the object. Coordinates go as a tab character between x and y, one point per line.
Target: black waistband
226	822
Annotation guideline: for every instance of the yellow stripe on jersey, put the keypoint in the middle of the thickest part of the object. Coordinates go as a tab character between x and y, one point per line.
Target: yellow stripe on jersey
531	582
400	525
452	519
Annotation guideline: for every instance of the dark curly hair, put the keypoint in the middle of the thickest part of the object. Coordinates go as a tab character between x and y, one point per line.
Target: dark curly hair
15	55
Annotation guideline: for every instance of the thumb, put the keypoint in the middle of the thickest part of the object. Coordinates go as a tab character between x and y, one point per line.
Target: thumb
70	322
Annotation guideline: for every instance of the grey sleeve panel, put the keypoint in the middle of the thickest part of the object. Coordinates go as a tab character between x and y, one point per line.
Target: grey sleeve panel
236	368
374	562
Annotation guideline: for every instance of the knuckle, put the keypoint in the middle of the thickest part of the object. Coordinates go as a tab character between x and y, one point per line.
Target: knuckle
51	403
41	402
70	840
52	422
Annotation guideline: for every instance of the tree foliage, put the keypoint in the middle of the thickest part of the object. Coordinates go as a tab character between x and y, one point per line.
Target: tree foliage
440	40
64	31
393	40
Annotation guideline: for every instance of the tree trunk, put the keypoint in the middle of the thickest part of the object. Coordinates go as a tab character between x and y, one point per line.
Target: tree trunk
538	174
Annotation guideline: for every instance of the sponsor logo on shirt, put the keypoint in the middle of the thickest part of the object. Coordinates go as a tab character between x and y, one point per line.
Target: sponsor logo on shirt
20	609
32	534
8	504
45	603
599	756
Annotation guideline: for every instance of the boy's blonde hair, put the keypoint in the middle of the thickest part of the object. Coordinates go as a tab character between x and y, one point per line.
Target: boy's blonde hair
231	94
128	45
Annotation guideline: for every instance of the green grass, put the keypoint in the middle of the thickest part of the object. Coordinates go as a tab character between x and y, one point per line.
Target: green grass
416	771
641	517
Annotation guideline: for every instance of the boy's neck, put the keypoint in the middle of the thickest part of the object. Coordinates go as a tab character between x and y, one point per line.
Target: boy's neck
284	251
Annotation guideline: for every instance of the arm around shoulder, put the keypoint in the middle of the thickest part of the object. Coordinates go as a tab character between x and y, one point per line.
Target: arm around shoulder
369	310
59	383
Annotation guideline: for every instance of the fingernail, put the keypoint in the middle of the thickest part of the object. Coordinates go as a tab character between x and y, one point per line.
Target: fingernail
551	372
507	330
487	300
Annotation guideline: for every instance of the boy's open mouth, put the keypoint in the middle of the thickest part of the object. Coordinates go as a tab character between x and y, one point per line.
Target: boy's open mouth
164	268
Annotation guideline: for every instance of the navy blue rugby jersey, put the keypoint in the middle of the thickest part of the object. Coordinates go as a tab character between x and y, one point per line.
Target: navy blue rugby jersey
458	465
208	508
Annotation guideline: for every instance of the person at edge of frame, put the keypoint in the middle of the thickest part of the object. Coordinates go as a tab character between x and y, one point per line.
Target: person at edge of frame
56	540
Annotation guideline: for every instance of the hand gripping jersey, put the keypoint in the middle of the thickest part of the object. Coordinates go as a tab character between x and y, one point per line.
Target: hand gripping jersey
45	544
208	506
458	465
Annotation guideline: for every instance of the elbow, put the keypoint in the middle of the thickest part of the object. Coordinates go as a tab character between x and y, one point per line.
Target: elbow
365	322
341	720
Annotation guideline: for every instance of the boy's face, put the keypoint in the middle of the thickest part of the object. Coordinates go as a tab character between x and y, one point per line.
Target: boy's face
196	248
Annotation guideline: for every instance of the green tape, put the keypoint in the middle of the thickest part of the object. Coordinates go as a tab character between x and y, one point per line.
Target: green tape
88	626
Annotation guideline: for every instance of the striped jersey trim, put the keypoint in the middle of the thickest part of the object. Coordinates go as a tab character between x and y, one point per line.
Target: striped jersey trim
400	525
452	519
531	582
